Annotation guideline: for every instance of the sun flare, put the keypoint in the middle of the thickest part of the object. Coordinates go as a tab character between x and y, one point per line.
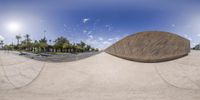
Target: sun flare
13	26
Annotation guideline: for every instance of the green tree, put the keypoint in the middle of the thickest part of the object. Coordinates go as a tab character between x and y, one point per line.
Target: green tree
92	49
43	44
197	47
96	50
88	48
59	42
82	44
66	47
23	45
36	46
27	43
1	43
18	37
8	47
27	38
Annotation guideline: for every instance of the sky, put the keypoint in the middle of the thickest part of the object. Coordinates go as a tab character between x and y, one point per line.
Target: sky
99	23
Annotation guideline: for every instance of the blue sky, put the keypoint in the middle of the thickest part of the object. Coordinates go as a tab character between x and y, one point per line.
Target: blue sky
99	22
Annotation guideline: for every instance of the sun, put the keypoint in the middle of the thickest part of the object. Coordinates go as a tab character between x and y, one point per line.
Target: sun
13	26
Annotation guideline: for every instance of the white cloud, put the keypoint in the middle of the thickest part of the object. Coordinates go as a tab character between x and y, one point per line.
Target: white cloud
116	38
188	37
64	29
109	27
101	42
110	39
89	32
190	26
85	20
1	38
100	38
185	35
194	44
113	39
64	25
106	43
173	25
90	36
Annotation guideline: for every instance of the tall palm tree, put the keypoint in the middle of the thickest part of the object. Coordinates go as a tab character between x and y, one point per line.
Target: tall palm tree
28	44
27	37
18	37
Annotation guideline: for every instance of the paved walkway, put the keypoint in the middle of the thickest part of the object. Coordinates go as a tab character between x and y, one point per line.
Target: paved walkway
100	77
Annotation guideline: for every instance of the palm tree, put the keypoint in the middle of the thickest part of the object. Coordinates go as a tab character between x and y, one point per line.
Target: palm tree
27	38
18	37
28	41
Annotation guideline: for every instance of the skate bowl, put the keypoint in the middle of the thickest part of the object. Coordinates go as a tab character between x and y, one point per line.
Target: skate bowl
101	76
150	46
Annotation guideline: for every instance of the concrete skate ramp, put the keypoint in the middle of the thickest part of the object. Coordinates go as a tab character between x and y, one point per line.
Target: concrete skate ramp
106	77
151	46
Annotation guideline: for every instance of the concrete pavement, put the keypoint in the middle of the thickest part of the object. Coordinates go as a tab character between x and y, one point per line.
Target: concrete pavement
100	77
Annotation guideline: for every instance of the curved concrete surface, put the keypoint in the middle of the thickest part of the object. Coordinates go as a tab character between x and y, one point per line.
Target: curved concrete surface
150	46
106	77
17	71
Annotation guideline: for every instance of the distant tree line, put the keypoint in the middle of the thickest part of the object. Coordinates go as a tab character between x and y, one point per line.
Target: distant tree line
61	44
